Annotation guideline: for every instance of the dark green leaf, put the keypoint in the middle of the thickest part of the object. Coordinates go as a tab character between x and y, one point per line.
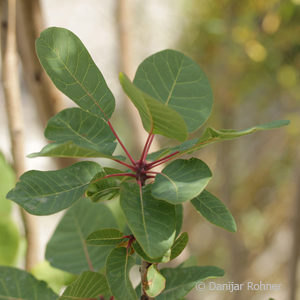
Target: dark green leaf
20	285
45	193
156	282
177	81
118	265
179	218
67	248
87	285
180	281
77	133
179	245
151	221
212	209
181	180
156	117
73	71
105	237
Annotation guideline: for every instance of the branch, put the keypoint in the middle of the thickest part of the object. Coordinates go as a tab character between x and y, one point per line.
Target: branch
10	81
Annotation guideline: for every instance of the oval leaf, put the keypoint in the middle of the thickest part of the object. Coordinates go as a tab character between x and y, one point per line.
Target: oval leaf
77	133
156	117
118	266
73	71
20	285
45	193
87	285
67	249
177	81
179	281
146	217
212	209
109	236
155	282
181	180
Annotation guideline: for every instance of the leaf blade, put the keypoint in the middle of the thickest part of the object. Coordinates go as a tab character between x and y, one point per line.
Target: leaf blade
108	236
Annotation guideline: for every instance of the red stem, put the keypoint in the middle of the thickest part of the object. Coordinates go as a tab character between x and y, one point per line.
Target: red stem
120	142
124	164
114	175
147	147
161	161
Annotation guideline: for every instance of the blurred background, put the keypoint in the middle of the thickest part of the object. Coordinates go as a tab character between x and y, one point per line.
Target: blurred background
250	51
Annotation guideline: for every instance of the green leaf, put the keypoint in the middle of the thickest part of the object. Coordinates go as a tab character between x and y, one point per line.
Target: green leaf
155	282
105	189
77	133
9	241
180	281
104	237
156	117
20	285
7	182
179	245
151	221
118	265
181	180
139	250
73	71
212	209
212	135
87	285
67	249
177	81
45	193
179	218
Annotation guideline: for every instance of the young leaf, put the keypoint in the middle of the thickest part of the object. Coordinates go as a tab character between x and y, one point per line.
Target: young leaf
180	281
73	71
139	250
151	221
118	265
67	249
179	245
104	237
156	282
156	117
87	285
45	193
20	285
212	135
105	189
177	81
212	209
181	180
77	133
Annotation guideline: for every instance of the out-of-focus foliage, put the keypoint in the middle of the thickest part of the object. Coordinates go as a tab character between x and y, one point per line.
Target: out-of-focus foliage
250	52
9	234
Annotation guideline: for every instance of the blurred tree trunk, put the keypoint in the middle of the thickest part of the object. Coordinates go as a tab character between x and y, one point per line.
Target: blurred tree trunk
10	81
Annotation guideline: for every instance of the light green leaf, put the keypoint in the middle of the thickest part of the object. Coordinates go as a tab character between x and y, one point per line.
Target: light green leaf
212	135
73	71
77	133
212	209
151	221
155	282
9	241
67	249
177	81
118	265
181	180
139	250
180	281
87	285
156	117
179	245
7	182
20	285
105	189
104	237
45	193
